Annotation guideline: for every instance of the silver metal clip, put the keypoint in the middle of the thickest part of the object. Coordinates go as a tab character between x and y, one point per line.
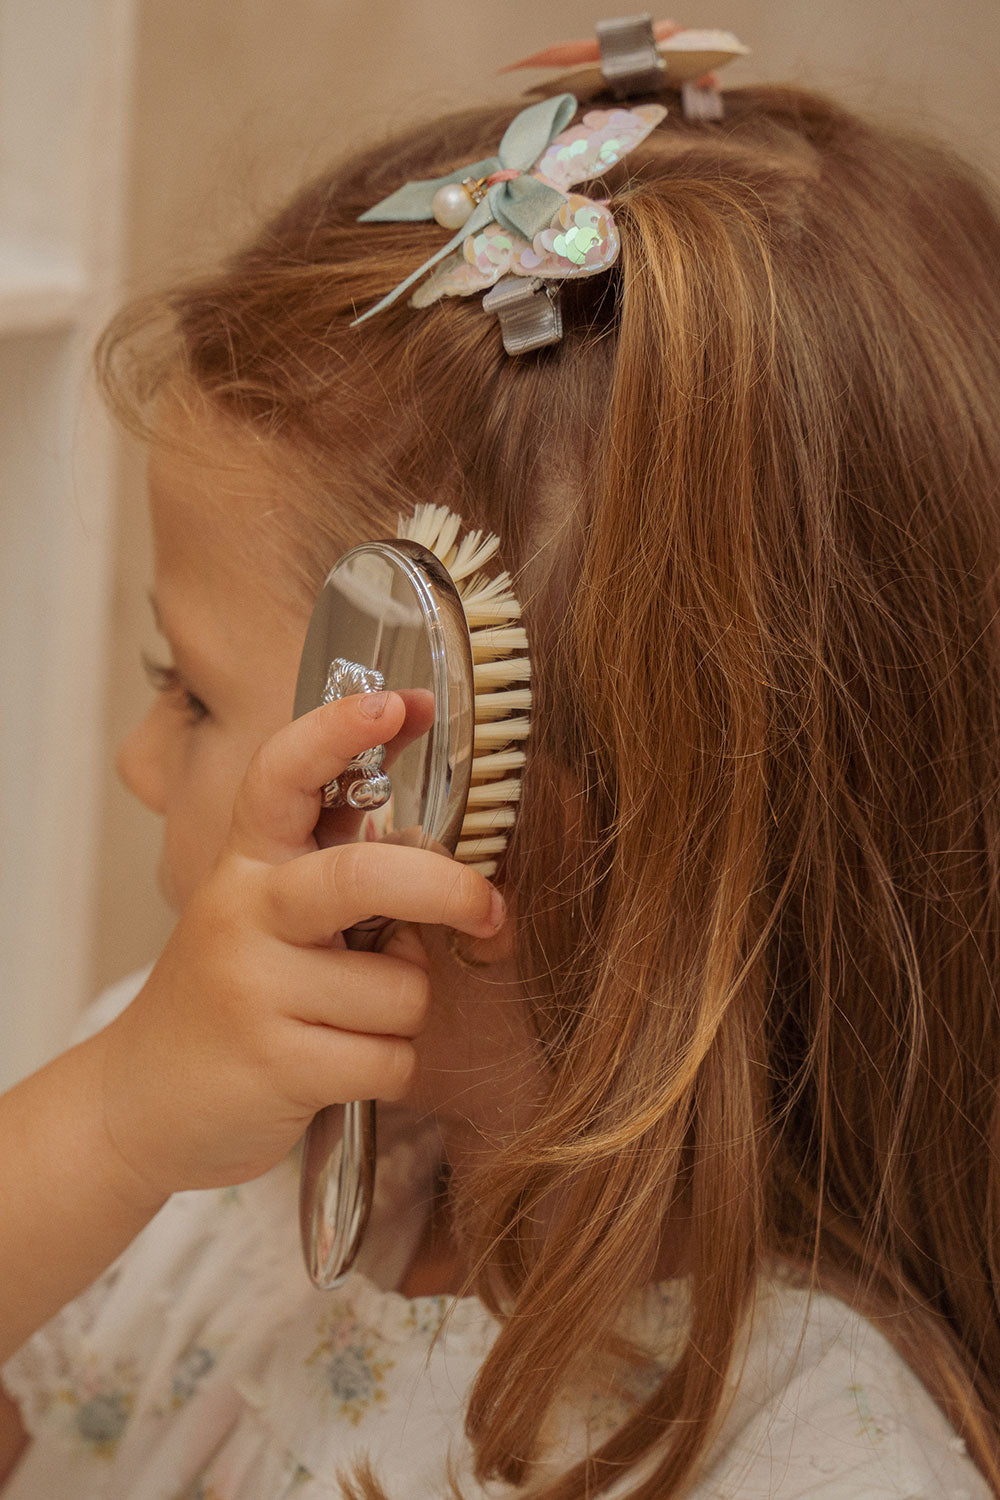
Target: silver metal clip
529	313
630	61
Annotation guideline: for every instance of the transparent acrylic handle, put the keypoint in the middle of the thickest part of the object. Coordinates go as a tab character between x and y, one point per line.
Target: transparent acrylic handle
338	1179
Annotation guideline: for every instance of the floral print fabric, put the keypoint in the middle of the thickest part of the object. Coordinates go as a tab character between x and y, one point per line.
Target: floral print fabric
204	1366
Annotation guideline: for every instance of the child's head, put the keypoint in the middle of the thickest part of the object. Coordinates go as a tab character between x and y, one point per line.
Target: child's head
751	503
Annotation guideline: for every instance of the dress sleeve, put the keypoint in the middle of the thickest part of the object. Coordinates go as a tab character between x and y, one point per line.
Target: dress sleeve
49	1370
128	1389
44	1369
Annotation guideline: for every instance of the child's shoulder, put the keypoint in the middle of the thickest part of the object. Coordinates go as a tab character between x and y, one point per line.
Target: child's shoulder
825	1407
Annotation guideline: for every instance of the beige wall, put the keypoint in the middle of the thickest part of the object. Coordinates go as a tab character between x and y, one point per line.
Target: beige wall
237	102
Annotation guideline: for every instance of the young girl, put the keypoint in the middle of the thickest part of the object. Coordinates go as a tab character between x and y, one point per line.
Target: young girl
689	1187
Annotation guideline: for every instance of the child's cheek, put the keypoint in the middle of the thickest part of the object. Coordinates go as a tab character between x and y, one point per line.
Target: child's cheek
192	840
165	882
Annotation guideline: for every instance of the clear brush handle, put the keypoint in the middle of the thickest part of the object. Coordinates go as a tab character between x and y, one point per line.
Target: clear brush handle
388	611
337	1182
336	1189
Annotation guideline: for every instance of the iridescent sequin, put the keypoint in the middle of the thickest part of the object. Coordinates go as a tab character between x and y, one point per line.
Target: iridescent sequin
581	241
602	138
581	238
489	249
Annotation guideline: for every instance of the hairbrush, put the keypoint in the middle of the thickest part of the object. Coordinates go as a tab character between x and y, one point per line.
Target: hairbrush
424	614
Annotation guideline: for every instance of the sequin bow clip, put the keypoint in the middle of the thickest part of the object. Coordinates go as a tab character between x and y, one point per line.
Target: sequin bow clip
512	213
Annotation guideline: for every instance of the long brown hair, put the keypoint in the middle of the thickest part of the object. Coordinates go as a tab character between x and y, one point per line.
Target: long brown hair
752	500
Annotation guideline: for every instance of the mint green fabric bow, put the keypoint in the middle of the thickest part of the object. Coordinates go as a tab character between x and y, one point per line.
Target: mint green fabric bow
523	205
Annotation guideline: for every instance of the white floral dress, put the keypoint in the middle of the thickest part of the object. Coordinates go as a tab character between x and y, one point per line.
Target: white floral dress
204	1366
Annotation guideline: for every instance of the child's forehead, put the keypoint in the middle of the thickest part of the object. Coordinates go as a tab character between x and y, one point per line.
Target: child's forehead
222	603
202	458
204	462
218	511
212	479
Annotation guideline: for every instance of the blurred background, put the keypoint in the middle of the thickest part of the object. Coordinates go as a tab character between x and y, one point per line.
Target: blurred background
138	139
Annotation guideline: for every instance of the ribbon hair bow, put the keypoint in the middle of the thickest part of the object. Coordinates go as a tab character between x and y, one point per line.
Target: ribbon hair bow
513	213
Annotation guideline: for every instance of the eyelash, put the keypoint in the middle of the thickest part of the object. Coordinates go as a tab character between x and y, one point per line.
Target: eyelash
167	679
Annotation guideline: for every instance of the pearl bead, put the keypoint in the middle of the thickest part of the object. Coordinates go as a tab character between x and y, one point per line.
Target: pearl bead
451	205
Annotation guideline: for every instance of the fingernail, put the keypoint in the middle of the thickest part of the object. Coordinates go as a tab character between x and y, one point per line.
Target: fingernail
498	909
372	705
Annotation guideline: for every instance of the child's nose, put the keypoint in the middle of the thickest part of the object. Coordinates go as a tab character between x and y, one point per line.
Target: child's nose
141	761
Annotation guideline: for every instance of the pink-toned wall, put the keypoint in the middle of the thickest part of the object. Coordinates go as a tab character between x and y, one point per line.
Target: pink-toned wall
237	102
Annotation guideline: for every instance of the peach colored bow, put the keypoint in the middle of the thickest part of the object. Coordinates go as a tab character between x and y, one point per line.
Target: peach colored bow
571	54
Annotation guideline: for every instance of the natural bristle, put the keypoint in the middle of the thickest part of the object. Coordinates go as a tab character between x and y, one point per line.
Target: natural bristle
500	666
493	642
497	763
494	736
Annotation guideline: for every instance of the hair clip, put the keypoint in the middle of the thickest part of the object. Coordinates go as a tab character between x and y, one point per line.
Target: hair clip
636	55
528	312
630	61
514	215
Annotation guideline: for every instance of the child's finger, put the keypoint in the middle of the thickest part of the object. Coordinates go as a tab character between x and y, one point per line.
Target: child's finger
365	992
325	1066
342	825
277	805
311	898
419	704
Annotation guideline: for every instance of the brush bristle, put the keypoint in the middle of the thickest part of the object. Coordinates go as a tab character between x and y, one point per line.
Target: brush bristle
500	670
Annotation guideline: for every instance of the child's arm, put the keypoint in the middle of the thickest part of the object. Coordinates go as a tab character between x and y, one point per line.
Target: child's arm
255	1016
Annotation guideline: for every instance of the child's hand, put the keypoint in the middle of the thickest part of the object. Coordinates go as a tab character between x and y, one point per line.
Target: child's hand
256	1014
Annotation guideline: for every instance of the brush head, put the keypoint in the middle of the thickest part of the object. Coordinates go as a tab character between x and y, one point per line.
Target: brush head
501	672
